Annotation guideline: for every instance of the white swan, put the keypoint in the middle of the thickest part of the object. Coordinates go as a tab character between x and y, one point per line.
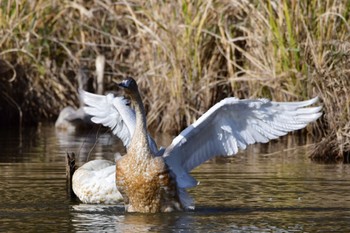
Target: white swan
228	126
71	119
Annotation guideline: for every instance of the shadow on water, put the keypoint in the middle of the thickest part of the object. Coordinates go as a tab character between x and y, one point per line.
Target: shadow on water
270	188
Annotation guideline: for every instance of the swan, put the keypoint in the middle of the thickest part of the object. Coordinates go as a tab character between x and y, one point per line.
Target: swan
71	119
151	180
104	191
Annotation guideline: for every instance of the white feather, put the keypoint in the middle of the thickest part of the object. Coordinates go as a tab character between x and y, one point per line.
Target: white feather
114	113
94	182
233	124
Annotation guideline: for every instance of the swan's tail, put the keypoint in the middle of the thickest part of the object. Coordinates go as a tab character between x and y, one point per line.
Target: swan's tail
70	169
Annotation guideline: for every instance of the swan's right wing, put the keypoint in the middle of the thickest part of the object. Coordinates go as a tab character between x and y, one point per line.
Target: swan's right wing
114	113
233	124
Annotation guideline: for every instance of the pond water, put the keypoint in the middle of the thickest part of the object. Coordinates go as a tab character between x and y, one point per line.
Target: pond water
270	188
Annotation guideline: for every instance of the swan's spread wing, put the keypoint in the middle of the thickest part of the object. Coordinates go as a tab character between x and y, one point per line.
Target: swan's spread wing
232	124
114	113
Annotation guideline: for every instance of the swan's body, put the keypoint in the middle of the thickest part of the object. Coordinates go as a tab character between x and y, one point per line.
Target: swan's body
142	177
152	180
104	191
71	119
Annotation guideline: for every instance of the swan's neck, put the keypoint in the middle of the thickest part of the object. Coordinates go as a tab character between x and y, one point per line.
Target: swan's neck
139	142
100	67
100	83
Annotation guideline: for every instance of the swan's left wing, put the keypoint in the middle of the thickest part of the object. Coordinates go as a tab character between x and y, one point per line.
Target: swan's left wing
232	124
114	113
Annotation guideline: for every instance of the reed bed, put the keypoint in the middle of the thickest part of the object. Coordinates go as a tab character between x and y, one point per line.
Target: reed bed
186	55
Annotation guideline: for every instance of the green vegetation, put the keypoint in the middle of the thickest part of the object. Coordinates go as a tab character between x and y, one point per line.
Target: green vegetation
186	56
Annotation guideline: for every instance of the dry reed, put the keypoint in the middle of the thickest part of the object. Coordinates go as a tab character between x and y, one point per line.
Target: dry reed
186	56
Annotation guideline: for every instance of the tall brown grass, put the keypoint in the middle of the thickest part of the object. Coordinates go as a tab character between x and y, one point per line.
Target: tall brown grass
186	55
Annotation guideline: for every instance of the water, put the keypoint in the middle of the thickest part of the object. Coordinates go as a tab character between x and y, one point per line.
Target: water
273	188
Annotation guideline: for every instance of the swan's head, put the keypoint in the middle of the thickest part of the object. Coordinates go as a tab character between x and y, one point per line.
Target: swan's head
129	85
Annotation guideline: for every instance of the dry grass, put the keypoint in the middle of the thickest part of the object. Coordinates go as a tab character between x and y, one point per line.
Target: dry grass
186	56
335	86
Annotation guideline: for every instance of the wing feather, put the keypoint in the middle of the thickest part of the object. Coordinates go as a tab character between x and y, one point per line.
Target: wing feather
233	124
114	113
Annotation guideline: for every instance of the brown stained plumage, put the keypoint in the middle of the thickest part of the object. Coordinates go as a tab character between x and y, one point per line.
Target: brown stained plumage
146	186
142	178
